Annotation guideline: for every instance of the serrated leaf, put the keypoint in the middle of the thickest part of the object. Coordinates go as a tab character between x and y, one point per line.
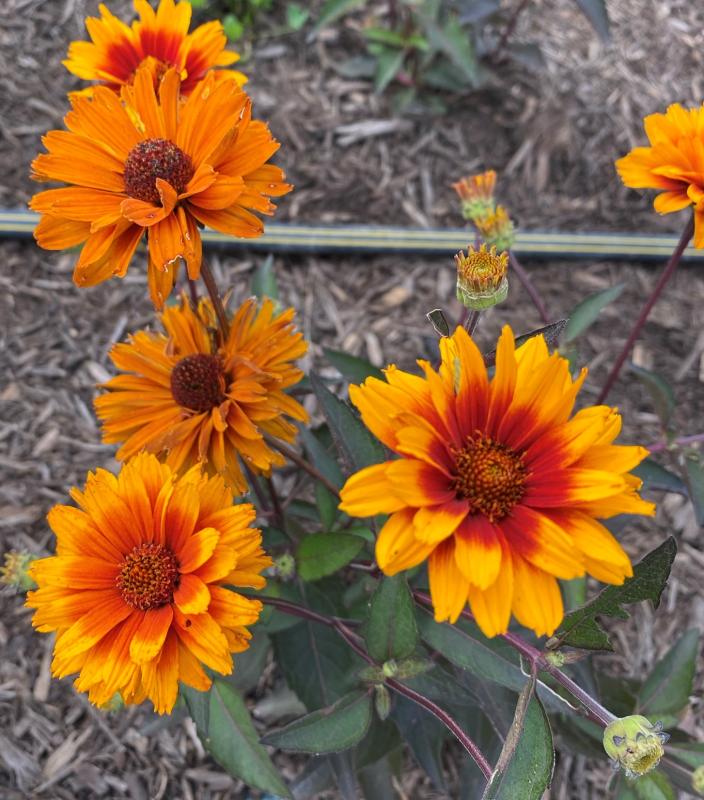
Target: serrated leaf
230	737
264	280
356	444
353	368
587	312
653	786
321	554
391	631
526	763
655	476
595	11
659	390
581	629
668	687
328	730
334	9
695	479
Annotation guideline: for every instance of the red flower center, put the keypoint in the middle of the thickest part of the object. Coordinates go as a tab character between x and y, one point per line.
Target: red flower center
490	476
198	382
152	159
148	577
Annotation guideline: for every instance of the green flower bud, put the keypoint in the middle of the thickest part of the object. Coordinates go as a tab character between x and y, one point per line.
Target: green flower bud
634	744
382	701
698	780
285	566
389	668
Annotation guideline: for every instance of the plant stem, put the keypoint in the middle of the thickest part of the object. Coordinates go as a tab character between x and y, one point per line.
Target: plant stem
298	459
682	441
647	308
212	288
278	511
508	30
193	289
529	286
470	324
354	642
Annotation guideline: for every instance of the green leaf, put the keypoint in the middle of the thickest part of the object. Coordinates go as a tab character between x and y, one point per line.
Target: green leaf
659	390
655	476
326	504
586	312
668	687
595	11
356	444
388	65
334	9
264	280
526	763
391	631
438	320
296	16
250	664
328	730
321	554
689	753
424	734
654	786
228	734
551	333
695	479
453	41
353	368
320	457
581	628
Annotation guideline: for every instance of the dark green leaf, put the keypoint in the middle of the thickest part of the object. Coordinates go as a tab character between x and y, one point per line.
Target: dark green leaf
231	739
334	9
586	312
551	333
326	503
595	11
473	11
321	554
388	64
526	763
453	41
668	687
355	369
425	736
527	54
356	67
264	280
249	665
657	477
689	753
438	320
659	390
581	628
653	786
391	631
356	444
320	456
695	479
376	780
327	730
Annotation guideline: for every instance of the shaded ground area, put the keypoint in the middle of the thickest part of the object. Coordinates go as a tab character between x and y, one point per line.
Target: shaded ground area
555	137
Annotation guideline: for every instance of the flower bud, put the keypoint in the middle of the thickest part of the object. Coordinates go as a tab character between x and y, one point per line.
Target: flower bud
635	744
15	572
698	780
382	701
481	277
477	194
285	566
496	228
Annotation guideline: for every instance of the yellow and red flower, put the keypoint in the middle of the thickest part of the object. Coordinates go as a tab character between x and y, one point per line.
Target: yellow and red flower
476	193
497	485
192	400
136	591
159	41
673	163
156	165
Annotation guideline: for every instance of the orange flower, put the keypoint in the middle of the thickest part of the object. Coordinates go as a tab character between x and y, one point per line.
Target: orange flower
191	401
158	41
141	164
673	163
476	193
136	591
498	486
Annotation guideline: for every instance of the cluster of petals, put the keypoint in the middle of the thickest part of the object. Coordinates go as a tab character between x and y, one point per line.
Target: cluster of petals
136	592
150	162
673	162
497	484
144	405
158	40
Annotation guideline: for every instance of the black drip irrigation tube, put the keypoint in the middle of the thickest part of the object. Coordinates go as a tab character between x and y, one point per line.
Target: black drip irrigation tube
379	239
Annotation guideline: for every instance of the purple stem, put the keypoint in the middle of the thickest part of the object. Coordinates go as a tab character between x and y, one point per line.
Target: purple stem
528	285
682	441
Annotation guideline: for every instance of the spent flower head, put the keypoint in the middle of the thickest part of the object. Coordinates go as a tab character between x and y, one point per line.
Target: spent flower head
635	744
496	228
477	194
481	277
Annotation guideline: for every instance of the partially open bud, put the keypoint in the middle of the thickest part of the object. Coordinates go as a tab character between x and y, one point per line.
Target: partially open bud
481	277
477	194
496	228
15	572
634	744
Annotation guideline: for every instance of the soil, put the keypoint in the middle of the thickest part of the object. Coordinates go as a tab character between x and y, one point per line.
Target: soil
552	135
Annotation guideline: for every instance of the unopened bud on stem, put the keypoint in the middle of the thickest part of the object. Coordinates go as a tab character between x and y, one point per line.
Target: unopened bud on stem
635	744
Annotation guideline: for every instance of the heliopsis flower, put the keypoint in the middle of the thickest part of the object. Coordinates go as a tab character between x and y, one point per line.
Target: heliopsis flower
159	41
672	163
496	228
481	277
191	400
143	164
476	193
497	485
136	591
